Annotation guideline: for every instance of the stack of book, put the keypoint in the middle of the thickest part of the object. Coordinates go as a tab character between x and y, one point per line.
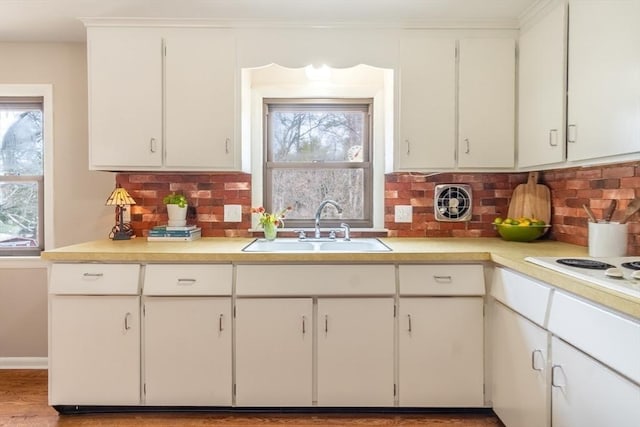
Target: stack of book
164	233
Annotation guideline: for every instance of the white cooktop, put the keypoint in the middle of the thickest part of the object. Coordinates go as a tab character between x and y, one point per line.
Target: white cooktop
626	284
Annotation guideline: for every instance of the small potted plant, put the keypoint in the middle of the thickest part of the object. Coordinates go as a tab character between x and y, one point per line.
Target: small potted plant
177	209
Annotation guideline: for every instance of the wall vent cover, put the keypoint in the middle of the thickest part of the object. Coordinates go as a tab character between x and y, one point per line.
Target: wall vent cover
452	202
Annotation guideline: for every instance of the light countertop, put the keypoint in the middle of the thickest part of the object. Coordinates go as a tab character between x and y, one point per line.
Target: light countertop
455	250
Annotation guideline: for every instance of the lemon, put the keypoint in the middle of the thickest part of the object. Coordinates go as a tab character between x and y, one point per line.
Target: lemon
524	223
507	221
498	220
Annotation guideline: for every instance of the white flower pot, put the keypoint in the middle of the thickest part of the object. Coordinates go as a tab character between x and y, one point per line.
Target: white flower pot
177	216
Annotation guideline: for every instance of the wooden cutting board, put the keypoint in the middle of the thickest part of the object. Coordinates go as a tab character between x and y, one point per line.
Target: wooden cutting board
531	200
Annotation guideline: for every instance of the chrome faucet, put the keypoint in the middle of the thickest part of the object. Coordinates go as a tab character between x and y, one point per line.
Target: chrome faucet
319	212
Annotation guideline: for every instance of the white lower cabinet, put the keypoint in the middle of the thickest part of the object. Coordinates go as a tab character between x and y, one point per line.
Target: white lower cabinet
586	393
94	354
519	361
441	345
274	344
355	351
187	351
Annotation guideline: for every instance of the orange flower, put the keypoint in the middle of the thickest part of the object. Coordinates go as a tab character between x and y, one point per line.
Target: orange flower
276	218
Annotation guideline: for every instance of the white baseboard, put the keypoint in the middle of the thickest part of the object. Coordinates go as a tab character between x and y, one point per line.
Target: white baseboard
24	362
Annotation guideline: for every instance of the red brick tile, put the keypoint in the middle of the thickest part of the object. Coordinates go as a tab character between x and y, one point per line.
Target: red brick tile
618	171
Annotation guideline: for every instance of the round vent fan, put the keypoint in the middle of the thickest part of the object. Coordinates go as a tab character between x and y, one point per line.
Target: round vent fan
452	202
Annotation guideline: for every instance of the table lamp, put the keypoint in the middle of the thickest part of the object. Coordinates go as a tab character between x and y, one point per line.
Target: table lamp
120	198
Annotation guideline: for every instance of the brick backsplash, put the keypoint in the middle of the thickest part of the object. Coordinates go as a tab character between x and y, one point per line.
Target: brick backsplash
491	192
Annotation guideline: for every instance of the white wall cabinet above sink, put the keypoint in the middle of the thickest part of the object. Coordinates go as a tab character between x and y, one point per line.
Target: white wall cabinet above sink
162	98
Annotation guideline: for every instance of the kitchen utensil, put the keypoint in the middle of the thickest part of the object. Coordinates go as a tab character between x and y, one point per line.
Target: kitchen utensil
531	200
608	213
590	214
633	207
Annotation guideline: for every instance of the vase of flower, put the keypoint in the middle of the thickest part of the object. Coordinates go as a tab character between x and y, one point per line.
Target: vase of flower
270	231
270	221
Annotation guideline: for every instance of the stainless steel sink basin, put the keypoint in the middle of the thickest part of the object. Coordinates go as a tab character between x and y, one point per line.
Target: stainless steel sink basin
319	245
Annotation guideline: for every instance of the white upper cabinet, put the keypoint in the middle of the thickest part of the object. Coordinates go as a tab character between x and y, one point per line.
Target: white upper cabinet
427	110
486	103
162	98
125	98
604	79
542	88
200	87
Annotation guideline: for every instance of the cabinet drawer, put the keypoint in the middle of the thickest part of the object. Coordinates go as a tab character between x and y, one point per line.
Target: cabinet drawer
441	279
612	339
94	279
184	279
522	294
256	280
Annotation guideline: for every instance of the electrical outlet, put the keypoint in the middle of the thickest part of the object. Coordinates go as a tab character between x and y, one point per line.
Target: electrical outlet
404	213
232	213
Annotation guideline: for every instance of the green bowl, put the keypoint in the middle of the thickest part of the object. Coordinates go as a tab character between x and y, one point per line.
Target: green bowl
517	233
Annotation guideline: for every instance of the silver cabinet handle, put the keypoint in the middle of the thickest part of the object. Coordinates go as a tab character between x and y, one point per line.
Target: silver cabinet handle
572	132
409	319
93	275
220	327
468	150
441	279
226	145
152	145
326	323
533	360
555	383
408	146
553	137
126	321
304	324
186	281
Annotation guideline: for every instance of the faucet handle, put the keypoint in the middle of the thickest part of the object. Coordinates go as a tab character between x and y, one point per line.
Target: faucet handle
347	230
301	234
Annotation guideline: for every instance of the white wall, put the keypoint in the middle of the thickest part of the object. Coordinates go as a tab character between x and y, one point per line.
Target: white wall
79	195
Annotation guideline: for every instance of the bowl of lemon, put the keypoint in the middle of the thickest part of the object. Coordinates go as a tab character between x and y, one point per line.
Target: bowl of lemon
520	229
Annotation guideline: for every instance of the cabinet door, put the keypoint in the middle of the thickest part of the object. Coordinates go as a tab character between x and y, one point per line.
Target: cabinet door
486	103
542	65
200	93
274	342
187	351
586	393
519	366
603	83
441	361
94	354
427	102
125	98
355	352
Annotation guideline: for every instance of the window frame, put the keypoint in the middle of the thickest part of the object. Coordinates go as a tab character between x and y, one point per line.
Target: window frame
25	93
366	165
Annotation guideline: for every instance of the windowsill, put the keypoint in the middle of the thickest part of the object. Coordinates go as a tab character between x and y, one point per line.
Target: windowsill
7	262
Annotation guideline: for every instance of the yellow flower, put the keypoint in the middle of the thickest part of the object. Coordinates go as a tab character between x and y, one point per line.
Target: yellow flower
276	218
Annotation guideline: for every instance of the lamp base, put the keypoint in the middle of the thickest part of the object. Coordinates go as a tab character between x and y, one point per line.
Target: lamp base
121	235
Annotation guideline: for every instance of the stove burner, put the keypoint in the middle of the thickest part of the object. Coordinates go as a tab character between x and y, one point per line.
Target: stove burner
633	265
585	263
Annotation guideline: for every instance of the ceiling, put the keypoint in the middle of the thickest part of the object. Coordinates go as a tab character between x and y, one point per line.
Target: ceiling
57	20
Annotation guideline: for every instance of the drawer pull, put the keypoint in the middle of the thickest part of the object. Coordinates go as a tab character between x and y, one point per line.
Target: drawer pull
92	275
126	321
220	327
533	360
186	281
443	279
304	325
326	323
409	319
554	381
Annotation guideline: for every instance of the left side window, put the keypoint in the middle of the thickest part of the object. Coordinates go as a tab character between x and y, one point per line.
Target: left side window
21	176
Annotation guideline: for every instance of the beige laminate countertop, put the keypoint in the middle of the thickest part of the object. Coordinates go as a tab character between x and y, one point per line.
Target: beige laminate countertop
227	250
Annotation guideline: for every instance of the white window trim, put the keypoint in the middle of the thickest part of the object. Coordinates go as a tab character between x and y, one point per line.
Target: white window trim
46	92
252	129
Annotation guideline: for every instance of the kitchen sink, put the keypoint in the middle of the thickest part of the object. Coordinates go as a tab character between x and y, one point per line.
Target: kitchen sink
317	245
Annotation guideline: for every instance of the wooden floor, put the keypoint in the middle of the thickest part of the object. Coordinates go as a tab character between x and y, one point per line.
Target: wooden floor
23	402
